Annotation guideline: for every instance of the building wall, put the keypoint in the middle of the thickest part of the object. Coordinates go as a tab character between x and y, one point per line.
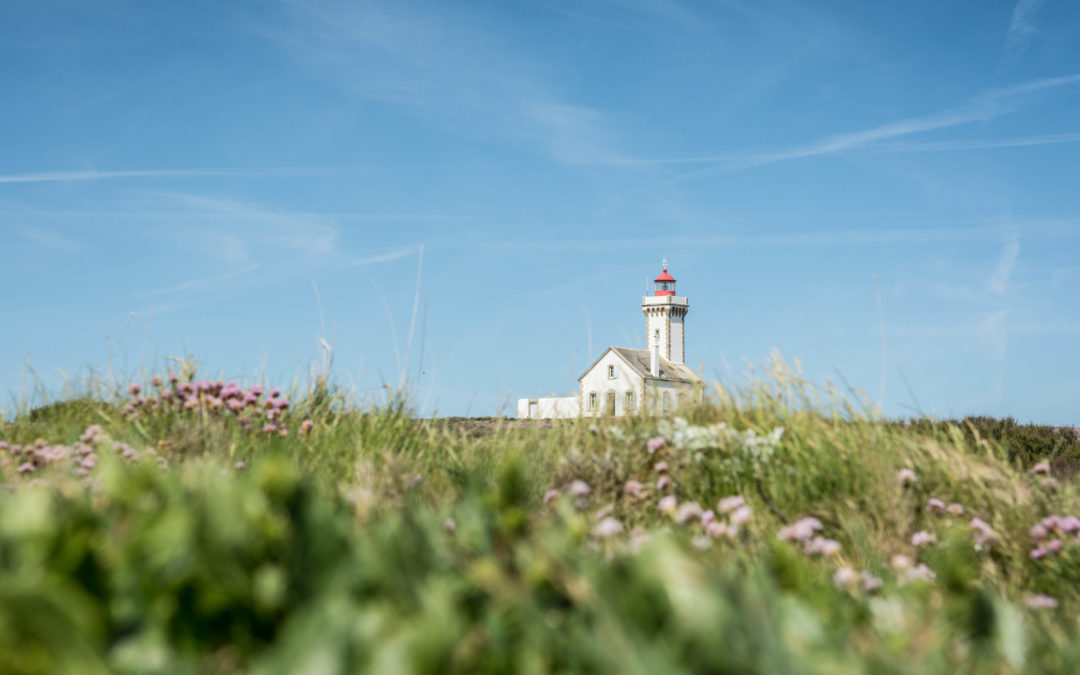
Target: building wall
597	381
678	336
679	394
548	408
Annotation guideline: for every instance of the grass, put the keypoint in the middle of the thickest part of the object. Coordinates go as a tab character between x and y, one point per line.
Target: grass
202	540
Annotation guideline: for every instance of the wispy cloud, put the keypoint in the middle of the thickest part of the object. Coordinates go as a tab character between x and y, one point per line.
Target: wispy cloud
989	105
257	245
59	176
1005	265
809	238
975	144
452	69
1021	30
47	238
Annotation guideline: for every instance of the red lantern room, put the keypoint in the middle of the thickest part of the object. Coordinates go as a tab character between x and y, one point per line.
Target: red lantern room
665	284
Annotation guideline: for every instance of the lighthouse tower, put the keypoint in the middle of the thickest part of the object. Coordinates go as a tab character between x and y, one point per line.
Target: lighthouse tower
665	318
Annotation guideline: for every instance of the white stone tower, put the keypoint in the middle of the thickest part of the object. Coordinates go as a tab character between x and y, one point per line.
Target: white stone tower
665	317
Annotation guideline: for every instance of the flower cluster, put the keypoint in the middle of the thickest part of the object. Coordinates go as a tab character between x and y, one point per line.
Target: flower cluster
211	397
730	517
985	536
682	435
847	577
81	456
908	572
939	508
906	477
805	531
1050	532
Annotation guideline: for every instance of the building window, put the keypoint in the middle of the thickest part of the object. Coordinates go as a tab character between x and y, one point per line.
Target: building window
593	400
629	400
667	402
611	372
534	409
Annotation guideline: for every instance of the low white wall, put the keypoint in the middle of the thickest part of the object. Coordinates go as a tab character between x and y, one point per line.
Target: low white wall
547	408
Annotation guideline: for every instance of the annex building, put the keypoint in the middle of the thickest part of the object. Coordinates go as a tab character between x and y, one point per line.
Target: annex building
623	380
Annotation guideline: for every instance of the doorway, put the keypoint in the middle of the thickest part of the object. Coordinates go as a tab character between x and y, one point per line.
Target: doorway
610	403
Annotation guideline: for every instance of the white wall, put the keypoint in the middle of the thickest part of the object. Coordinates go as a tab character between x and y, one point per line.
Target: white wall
597	381
677	329
678	395
547	408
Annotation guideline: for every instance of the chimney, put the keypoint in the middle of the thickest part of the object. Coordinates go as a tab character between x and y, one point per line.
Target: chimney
654	356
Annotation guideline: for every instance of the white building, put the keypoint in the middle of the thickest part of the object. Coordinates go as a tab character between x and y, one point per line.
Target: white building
623	380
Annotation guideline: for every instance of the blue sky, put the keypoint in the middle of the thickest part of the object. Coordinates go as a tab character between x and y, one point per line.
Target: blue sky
888	191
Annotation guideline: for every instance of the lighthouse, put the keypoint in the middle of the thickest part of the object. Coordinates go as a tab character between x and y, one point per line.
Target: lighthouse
627	381
665	318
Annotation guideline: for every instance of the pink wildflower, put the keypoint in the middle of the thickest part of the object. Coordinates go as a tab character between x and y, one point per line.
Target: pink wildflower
955	509
906	477
716	529
654	444
900	562
579	488
871	584
305	427
922	538
664	483
729	504
607	528
1069	525
687	511
155	381
1041	469
450	525
822	546
985	536
845	577
707	517
935	505
918	573
1040	601
239	465
632	488
741	516
1038	532
134	388
1039	553
660	467
25	467
551	495
667	504
1055	545
801	530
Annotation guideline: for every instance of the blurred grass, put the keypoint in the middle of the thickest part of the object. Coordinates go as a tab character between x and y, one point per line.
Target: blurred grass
384	543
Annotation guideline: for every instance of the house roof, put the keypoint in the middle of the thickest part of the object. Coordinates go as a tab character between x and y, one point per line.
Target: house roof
638	360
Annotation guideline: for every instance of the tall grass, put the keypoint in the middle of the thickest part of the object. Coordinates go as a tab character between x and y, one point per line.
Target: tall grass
369	540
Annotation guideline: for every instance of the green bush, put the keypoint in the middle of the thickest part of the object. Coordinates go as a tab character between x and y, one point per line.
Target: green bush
375	542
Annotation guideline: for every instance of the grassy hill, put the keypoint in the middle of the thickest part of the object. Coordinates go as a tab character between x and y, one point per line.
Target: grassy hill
205	527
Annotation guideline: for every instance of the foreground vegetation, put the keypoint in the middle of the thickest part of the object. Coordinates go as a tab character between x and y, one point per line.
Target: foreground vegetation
204	527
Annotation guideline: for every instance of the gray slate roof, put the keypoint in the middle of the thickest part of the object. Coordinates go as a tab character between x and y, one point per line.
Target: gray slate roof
638	360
